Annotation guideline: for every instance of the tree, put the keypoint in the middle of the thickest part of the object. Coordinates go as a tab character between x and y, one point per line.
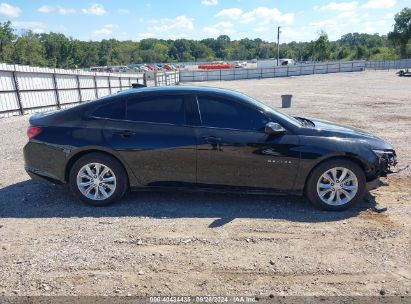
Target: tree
125	51
218	45
321	48
383	53
28	50
344	53
236	50
401	34
183	51
201	51
361	52
6	39
105	52
60	51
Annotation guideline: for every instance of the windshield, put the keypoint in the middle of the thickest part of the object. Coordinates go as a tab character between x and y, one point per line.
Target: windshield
269	109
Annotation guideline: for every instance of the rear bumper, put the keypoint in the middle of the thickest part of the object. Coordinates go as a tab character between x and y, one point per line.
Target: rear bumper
44	162
42	176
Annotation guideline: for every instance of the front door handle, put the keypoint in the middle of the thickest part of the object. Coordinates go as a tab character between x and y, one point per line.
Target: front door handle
212	139
125	133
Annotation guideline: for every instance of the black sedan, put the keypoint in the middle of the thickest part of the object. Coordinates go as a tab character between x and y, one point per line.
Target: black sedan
200	138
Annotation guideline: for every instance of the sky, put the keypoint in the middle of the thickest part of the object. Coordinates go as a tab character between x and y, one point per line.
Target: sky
301	20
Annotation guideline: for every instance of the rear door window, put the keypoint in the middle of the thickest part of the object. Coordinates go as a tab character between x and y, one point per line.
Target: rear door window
112	110
157	109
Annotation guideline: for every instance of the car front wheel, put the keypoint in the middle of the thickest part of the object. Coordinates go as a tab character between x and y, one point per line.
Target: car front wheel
336	185
98	179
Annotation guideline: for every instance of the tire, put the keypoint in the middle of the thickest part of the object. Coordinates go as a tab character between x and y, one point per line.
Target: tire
102	189
328	193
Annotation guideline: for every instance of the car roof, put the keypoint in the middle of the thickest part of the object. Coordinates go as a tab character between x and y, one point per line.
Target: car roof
181	89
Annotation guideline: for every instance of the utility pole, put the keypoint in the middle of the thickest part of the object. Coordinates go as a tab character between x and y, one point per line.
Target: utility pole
278	45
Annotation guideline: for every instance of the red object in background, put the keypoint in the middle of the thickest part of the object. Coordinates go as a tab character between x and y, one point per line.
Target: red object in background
217	66
33	131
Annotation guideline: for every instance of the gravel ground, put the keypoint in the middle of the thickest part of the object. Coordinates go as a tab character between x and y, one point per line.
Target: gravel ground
210	244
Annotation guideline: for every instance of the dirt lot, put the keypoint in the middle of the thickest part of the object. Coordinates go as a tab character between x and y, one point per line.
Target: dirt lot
209	244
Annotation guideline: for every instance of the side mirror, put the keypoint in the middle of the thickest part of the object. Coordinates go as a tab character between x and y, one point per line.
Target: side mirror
274	128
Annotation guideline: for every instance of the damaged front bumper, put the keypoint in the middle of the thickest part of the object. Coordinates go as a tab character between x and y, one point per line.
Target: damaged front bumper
387	160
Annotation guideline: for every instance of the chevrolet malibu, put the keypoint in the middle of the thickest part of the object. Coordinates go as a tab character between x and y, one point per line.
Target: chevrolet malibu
201	139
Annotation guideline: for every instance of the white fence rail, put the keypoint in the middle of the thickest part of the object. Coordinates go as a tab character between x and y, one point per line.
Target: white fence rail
280	71
389	64
26	89
166	78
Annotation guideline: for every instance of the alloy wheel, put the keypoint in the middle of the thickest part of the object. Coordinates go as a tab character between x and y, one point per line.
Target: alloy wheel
96	181
337	186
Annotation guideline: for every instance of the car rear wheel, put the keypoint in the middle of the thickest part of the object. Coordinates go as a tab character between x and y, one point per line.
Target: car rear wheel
98	179
336	185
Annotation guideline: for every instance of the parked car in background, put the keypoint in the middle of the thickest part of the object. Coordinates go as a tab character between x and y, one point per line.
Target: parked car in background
286	61
240	64
169	67
201	138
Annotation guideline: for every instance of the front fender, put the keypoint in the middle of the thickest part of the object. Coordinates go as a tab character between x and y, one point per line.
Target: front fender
315	150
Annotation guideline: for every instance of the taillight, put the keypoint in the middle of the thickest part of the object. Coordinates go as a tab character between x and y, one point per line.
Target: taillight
33	131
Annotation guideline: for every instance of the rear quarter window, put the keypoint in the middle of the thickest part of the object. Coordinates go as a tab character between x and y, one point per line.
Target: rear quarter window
113	110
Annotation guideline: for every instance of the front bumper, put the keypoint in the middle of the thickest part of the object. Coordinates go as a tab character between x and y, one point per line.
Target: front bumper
387	161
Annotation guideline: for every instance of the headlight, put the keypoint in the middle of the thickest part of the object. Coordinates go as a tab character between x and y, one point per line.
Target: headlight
381	153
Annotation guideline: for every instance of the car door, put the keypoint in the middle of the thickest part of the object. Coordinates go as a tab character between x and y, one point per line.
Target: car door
234	151
155	140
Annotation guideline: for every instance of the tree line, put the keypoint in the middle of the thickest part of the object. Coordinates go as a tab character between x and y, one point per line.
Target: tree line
58	51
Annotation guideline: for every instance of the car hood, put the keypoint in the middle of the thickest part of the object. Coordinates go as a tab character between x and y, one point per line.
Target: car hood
330	129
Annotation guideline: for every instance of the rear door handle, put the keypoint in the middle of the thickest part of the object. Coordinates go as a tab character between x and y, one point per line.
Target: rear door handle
125	133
